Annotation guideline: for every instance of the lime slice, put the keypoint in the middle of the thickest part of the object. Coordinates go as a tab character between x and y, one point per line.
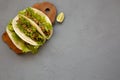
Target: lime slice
60	17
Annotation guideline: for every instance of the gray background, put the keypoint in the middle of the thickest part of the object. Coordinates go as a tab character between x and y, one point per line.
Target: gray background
85	47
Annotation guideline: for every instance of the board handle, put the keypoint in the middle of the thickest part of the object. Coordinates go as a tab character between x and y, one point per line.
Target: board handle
48	8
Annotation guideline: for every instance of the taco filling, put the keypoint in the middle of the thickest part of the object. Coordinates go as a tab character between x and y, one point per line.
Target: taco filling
40	19
29	30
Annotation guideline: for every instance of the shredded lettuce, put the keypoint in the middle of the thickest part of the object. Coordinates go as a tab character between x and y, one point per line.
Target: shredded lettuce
34	49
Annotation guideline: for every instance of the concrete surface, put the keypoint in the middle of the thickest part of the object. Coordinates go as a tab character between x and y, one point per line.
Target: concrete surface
85	47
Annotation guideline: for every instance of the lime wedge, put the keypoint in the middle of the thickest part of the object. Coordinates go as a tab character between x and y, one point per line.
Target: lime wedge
60	17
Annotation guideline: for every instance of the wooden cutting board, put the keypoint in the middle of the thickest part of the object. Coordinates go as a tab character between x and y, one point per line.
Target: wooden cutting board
48	8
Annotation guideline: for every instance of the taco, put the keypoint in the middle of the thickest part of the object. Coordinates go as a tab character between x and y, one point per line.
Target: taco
28	31
21	44
40	19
